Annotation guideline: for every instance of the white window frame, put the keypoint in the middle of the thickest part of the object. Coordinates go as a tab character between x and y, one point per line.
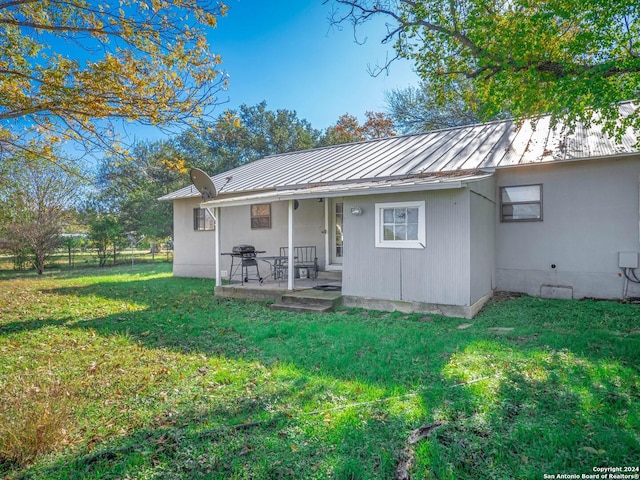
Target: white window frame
379	226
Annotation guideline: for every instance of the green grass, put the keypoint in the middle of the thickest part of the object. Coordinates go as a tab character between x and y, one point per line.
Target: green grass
154	377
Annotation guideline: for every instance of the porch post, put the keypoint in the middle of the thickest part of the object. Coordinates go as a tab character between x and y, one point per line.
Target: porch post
327	234
290	260
216	219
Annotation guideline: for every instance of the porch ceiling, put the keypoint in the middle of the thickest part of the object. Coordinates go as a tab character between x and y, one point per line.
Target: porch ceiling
352	189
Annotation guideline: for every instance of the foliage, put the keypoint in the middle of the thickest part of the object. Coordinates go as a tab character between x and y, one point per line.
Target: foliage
416	109
244	135
71	241
36	202
105	234
70	70
348	129
130	189
569	58
169	381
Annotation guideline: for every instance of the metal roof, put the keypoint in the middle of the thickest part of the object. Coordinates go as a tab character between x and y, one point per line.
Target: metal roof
490	145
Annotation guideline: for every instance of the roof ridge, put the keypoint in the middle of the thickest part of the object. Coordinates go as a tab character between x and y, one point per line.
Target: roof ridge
437	130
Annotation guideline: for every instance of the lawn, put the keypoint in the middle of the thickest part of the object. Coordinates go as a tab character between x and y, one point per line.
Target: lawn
130	373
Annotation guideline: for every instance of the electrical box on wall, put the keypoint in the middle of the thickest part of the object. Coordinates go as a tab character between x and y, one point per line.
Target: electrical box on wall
628	259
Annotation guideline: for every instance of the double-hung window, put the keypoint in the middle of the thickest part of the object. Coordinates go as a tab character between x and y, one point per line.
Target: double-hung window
202	219
521	203
400	225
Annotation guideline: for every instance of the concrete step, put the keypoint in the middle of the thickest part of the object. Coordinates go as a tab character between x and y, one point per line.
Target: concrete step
296	307
315	301
312	297
330	275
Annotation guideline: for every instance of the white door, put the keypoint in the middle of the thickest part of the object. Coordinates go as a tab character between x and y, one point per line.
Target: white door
336	241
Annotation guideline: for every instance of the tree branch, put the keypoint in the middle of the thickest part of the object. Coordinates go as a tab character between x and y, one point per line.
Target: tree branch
57	28
15	3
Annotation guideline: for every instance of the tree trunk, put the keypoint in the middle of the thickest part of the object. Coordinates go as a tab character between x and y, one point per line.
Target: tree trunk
40	264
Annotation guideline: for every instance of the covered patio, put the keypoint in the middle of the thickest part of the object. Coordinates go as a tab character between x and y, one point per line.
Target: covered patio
309	294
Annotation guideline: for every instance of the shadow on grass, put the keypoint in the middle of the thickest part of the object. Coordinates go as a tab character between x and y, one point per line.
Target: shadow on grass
201	444
543	411
540	411
389	349
30	325
559	392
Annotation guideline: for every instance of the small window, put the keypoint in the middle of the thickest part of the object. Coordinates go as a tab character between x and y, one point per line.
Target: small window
203	220
521	204
400	225
261	215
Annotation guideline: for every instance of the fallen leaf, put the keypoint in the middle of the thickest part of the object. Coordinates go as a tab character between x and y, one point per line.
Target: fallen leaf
590	450
245	450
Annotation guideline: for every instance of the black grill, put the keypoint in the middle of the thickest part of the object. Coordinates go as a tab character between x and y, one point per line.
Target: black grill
242	257
244	250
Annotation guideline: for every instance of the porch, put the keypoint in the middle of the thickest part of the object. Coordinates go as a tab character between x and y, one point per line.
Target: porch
317	295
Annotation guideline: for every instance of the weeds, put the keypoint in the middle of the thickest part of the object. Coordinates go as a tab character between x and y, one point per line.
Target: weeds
35	416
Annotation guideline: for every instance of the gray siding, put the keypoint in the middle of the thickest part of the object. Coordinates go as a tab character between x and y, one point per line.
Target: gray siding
483	230
308	227
194	254
194	251
590	213
438	274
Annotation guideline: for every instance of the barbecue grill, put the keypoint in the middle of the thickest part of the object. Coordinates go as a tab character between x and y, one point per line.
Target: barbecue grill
242	257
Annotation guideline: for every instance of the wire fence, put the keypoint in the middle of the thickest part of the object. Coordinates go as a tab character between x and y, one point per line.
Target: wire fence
65	258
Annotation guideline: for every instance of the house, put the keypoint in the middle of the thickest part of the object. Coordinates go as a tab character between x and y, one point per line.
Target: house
436	221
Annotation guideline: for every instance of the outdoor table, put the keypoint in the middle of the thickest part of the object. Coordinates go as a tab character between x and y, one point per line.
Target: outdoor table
276	265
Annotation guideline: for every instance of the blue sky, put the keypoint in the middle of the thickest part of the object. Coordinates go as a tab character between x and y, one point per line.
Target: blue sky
284	52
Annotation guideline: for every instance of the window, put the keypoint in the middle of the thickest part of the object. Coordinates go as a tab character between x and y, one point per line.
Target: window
203	220
338	224
261	215
400	225
521	204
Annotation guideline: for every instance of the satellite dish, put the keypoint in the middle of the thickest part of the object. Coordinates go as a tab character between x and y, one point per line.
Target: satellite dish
203	183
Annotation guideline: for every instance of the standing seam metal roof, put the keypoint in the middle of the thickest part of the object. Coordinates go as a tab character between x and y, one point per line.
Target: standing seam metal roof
490	145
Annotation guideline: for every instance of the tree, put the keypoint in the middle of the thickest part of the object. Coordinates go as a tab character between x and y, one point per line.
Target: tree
105	233
244	135
69	70
35	206
348	129
129	190
569	58
417	109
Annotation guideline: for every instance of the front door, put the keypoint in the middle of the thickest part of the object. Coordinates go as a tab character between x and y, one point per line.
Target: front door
336	216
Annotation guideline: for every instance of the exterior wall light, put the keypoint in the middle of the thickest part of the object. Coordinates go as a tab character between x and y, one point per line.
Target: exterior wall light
356	211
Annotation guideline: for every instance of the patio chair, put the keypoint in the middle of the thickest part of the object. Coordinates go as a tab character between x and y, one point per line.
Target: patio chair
305	258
